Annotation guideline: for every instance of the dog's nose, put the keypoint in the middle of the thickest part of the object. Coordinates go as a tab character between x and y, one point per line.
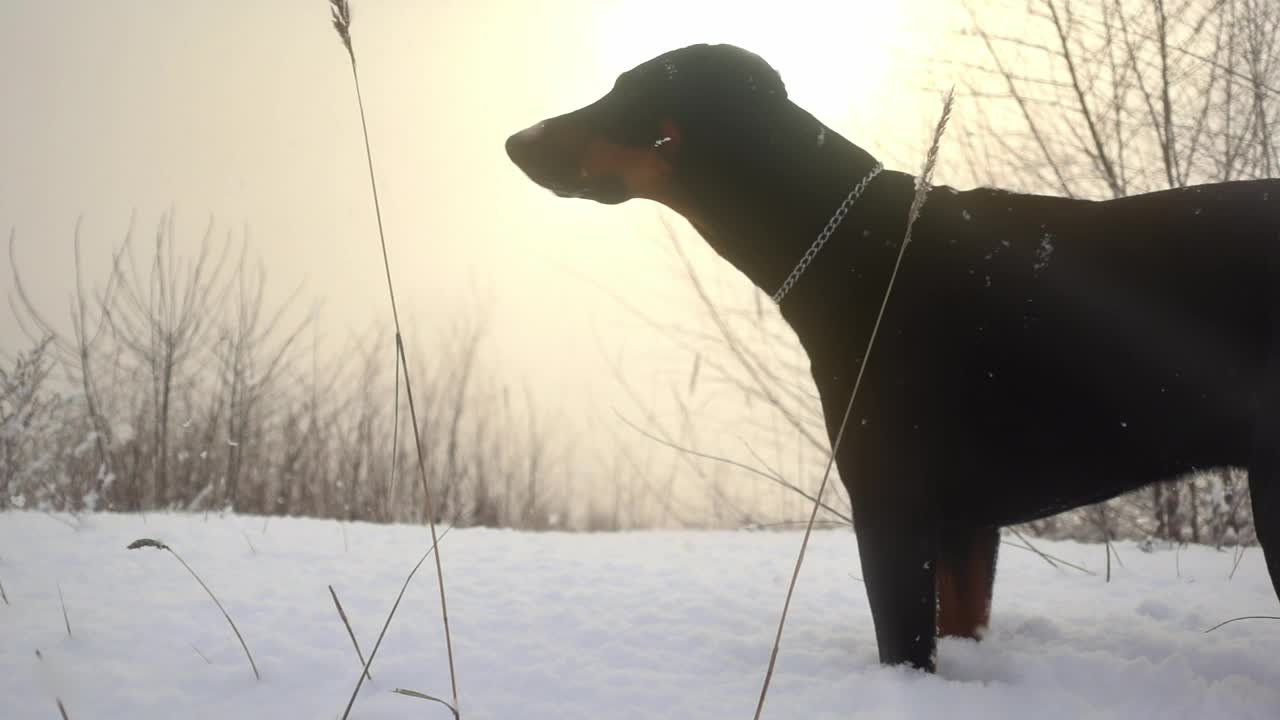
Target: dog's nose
521	146
543	155
516	148
531	133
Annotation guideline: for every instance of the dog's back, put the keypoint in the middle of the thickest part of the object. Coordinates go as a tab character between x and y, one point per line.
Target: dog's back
1101	345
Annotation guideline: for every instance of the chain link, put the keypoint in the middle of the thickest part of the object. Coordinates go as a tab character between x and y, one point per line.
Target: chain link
825	235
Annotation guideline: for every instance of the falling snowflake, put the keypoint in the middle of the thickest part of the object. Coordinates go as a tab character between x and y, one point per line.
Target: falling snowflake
1044	252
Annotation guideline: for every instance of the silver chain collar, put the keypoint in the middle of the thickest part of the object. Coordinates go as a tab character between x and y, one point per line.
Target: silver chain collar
825	235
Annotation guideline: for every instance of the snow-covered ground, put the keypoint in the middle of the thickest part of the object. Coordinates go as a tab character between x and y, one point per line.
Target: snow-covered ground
629	625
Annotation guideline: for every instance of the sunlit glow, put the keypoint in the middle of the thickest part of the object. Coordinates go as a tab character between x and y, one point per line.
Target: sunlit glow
828	52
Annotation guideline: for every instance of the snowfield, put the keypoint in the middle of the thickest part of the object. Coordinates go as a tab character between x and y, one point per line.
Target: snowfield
559	626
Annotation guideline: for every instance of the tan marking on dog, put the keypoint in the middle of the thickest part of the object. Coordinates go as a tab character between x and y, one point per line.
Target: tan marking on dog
964	599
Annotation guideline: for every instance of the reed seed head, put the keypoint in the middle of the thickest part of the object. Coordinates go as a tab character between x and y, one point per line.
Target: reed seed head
341	12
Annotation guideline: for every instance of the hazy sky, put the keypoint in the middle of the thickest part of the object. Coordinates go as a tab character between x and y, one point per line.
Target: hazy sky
244	112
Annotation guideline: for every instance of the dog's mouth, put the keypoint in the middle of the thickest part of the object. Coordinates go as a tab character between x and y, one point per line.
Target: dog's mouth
553	161
602	191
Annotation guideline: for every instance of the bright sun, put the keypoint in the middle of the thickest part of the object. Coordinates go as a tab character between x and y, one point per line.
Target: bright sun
811	42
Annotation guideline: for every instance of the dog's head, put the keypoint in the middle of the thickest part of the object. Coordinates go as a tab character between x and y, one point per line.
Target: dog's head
661	118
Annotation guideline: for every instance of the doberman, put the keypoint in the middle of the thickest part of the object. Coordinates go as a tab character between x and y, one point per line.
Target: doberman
1037	353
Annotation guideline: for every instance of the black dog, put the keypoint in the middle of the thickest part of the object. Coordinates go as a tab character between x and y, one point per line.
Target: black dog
1037	353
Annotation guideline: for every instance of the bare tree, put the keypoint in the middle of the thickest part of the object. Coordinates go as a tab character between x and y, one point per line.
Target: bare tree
252	351
22	406
1100	98
162	319
75	353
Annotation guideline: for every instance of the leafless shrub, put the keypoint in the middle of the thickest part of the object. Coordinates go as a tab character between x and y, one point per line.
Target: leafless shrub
1106	98
24	410
265	414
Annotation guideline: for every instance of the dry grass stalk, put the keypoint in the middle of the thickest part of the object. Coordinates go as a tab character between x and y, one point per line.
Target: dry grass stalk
1246	617
202	655
62	601
917	202
771	476
424	696
149	543
343	614
62	709
1106	542
1054	562
1236	564
340	11
64	521
386	624
2	595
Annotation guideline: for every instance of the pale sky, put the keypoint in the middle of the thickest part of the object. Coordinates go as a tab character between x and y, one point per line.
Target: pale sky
244	111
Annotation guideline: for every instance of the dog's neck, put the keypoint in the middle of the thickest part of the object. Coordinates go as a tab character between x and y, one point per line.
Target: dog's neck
761	207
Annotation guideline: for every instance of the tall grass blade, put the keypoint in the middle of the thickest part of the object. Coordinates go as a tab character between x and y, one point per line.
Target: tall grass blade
386	624
343	614
65	619
917	202
340	11
424	696
1246	617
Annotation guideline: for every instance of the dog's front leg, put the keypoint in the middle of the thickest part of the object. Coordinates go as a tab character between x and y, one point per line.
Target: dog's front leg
898	546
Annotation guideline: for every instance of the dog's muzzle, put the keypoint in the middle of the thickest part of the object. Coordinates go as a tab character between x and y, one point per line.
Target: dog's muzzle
553	158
